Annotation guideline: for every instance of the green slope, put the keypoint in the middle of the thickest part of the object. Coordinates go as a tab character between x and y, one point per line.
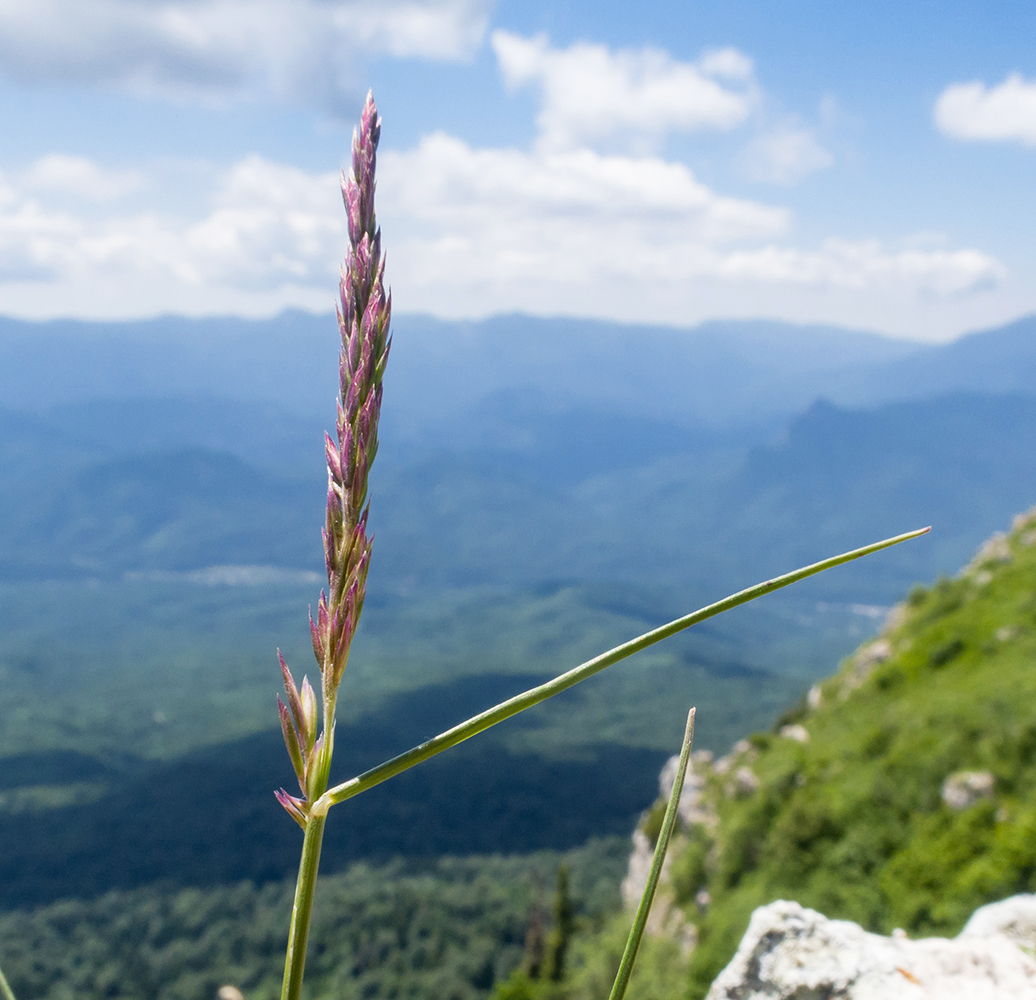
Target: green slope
848	814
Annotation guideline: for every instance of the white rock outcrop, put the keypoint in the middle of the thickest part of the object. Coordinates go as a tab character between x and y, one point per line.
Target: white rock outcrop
800	734
963	789
791	953
691	806
637	869
666	919
865	659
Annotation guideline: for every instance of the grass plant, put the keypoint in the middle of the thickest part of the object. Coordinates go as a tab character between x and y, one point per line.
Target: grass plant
363	320
308	727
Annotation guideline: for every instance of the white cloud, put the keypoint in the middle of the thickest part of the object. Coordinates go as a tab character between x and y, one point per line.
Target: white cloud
727	63
221	49
1007	112
79	177
270	236
784	155
469	232
270	225
478	231
445	184
866	266
593	95
565	227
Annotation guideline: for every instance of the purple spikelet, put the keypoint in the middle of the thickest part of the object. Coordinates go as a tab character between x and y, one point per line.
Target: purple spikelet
363	322
364	312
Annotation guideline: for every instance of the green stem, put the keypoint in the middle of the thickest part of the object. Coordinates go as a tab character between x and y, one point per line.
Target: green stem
302	910
309	864
5	990
629	956
519	703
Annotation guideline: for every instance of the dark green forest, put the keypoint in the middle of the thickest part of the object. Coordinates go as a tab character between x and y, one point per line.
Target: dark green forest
444	928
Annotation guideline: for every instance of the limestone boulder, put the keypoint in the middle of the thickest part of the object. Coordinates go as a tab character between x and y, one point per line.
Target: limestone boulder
792	953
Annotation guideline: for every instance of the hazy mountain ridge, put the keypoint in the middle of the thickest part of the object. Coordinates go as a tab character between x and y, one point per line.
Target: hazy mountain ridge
513	449
537	448
512	512
179	510
287	359
740	371
1002	360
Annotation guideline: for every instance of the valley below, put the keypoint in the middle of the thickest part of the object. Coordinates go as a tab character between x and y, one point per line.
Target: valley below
544	491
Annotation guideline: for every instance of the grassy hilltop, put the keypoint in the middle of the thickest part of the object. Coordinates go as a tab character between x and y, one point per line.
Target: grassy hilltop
901	792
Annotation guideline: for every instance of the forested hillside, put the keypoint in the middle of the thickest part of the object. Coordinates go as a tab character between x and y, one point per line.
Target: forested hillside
449	928
900	792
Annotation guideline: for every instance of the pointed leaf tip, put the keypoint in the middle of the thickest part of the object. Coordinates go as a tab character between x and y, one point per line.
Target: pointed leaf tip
291	806
308	726
294	702
291	741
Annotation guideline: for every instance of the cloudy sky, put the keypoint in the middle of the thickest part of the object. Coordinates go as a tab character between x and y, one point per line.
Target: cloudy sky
870	165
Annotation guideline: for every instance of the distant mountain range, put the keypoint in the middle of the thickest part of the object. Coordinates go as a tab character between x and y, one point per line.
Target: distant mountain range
515	449
720	373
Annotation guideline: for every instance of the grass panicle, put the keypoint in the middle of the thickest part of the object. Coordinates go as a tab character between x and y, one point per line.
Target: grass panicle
364	314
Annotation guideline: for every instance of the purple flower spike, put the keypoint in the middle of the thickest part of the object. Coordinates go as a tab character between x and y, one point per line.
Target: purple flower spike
363	321
364	314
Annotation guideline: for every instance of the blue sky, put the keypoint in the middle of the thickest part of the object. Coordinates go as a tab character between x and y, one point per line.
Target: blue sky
869	165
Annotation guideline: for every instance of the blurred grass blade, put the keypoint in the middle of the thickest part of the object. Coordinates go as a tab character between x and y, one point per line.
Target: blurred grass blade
5	989
519	703
629	956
